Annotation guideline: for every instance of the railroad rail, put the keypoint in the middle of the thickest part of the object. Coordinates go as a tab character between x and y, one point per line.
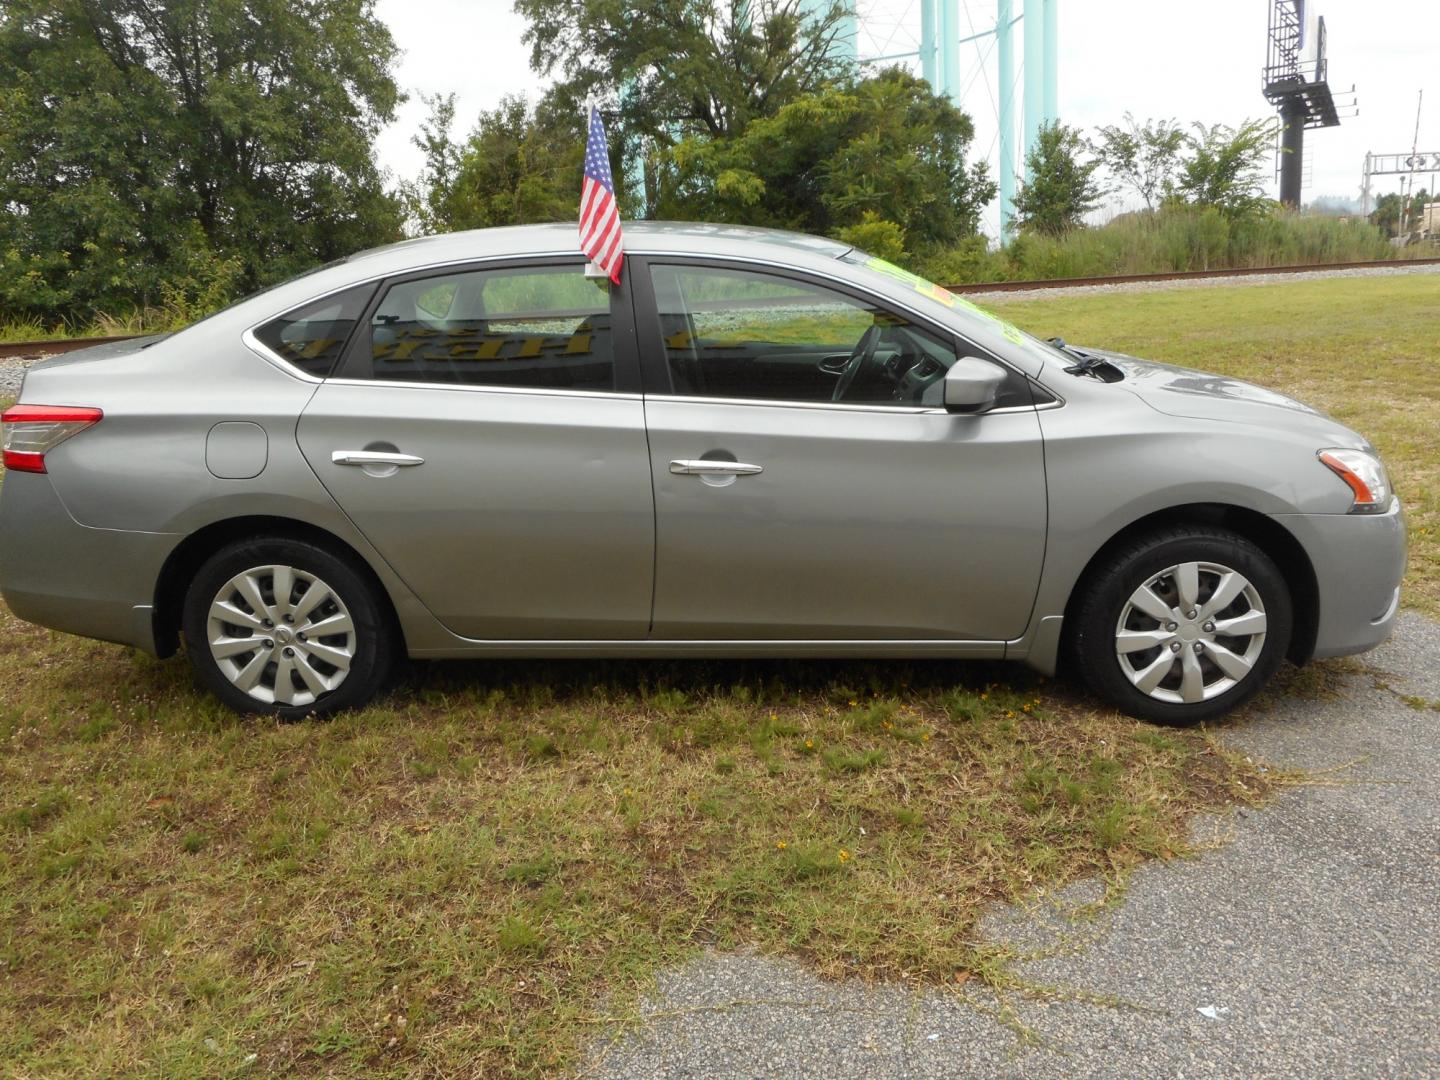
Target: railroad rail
27	349
24	350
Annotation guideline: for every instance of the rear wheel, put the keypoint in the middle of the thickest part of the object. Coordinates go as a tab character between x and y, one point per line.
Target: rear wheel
286	628
1182	626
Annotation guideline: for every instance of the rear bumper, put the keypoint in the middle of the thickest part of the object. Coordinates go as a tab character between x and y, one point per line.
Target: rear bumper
1359	560
97	583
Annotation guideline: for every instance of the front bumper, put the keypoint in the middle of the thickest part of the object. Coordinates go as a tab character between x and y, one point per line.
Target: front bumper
1359	560
98	583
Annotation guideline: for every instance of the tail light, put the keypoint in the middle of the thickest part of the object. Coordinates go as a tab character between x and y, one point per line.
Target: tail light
31	431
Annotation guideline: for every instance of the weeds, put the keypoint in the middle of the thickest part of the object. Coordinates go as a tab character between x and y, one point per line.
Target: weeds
1178	238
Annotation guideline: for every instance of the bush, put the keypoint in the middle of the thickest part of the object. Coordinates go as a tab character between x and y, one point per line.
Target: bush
884	239
1174	238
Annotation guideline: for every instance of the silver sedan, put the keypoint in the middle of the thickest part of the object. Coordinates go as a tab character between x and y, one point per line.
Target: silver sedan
758	444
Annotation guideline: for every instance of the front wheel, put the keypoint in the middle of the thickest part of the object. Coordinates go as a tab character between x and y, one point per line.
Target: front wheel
284	627
1181	626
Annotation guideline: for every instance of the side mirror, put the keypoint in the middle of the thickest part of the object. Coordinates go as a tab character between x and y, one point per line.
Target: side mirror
972	384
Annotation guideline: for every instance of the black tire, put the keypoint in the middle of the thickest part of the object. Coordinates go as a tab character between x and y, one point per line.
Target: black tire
1105	594
371	642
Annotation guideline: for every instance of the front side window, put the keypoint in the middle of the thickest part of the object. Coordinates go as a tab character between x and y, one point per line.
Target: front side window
312	337
740	334
543	327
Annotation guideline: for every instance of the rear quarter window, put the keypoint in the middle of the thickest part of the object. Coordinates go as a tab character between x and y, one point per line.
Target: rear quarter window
313	336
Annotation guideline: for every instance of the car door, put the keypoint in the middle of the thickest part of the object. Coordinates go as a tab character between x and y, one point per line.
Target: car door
486	433
782	513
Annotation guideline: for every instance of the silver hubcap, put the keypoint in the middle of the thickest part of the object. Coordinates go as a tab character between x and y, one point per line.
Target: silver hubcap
281	635
1190	633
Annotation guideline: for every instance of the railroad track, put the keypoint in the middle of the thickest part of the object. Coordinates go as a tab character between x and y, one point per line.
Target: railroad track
26	349
12	350
1183	275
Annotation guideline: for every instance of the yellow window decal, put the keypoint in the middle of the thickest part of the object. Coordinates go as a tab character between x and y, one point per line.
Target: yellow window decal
944	296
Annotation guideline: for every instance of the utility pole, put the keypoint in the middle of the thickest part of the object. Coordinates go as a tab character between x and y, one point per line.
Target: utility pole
1402	226
1365	189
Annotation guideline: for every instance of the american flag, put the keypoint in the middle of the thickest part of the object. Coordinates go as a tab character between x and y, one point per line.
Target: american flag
600	236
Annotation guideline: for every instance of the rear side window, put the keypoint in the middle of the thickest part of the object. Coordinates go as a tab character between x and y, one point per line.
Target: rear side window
543	327
313	337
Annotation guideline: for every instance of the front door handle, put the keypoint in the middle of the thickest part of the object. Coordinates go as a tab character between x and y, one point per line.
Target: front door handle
706	467
374	457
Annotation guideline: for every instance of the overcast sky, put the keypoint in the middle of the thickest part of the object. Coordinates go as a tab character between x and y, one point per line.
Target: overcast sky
1151	57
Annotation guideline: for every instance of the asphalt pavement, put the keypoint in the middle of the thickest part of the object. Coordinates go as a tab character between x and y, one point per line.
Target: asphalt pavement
1307	943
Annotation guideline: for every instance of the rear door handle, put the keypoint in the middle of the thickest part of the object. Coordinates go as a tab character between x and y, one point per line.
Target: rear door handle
705	467
374	457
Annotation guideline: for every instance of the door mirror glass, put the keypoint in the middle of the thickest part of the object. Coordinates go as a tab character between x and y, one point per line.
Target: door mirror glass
972	385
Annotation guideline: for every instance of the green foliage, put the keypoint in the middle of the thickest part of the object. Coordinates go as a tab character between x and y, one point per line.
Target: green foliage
679	67
1415	209
884	239
1388	209
1225	167
1176	237
147	143
519	165
1062	187
1142	157
1387	213
203	282
882	150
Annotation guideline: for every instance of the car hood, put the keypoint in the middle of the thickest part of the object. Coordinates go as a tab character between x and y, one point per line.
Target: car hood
1201	395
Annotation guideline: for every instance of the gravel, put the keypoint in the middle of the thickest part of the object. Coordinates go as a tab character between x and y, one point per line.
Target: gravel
11	373
1207	283
1308	944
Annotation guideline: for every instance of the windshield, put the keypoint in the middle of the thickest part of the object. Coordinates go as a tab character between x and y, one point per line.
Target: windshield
937	294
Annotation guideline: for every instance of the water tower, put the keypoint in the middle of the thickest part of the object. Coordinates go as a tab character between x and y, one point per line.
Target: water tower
959	46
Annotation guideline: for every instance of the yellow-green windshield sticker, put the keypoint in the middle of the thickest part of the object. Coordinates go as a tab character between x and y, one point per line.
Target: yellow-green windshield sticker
944	296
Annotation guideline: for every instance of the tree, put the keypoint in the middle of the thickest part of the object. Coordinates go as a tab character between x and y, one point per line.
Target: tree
519	165
1387	213
884	149
1062	187
1225	167
1415	210
675	68
145	138
1143	157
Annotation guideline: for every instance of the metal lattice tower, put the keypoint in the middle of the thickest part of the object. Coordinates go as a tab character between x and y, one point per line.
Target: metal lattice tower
1296	81
965	49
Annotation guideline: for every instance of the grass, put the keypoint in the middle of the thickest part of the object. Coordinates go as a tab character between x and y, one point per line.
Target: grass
31	329
1361	349
461	879
469	876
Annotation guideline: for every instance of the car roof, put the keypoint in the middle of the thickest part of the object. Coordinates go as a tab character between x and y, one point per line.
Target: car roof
743	243
521	241
641	237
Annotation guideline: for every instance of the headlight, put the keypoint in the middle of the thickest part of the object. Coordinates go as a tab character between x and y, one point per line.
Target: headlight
1365	477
